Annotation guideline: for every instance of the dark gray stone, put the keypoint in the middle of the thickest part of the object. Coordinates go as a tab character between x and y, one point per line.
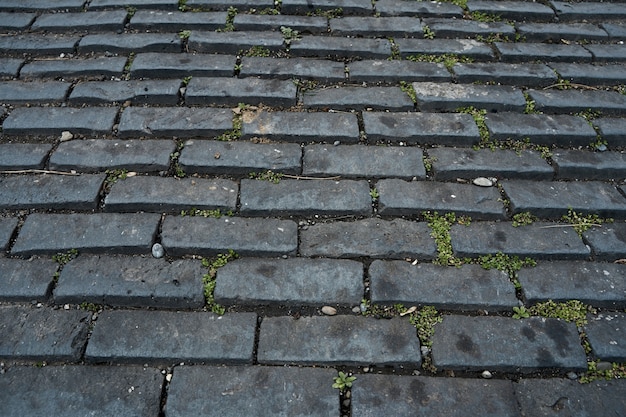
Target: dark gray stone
396	71
321	47
138	92
163	337
589	74
38	334
77	391
597	284
251	391
450	163
555	32
527	74
161	20
507	345
536	241
93	155
9	67
393	395
99	68
210	236
174	121
233	42
532	51
35	5
615	31
232	91
607	52
612	129
224	5
571	101
15	92
421	128
608	242
7	227
239	158
450	97
130	42
17	156
54	120
320	70
349	7
58	192
87	233
303	24
589	11
24	281
375	26
358	98
458	28
37	45
338	340
376	238
305	198
301	127
131	282
112	20
514	10
461	47
157	65
468	288
150	4
606	336
358	161
421	9
580	164
289	282
16	21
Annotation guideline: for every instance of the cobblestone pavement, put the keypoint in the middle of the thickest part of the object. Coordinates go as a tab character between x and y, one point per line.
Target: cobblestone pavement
312	207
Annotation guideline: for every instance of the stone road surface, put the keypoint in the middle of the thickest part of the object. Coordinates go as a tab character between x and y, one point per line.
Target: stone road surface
130	123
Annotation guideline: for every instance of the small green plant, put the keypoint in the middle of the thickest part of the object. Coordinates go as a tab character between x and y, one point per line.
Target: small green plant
177	170
209	279
520	312
329	14
129	63
582	223
374	194
570	311
448	60
395	50
484	17
531	105
235	132
130	11
94	308
256	51
617	371
523	219
305	85
428	32
184	34
114	175
269	175
186	80
508	264
229	26
343	381
479	116
425	321
409	90
440	231
182	5
64	258
289	35
193	212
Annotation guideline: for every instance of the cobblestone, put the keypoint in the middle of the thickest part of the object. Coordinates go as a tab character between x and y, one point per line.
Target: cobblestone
571	101
449	28
231	92
38	45
605	334
573	164
588	11
512	9
112	20
610	53
316	46
130	42
531	51
468	48
357	98
591	74
54	120
611	130
607	242
310	69
26	280
12	92
303	24
358	7
158	65
396	71
450	97
9	67
422	9
34	5
233	42
553	32
533	75
18	156
100	67
7	227
375	26
163	92
155	20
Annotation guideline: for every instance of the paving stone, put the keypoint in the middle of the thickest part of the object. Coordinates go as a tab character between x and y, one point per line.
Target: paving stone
239	158
555	32
421	128
85	21
507	345
157	65
379	395
94	155
359	98
554	199
301	127
225	4
591	74
131	233
514	10
76	391
25	281
565	397
246	236
251	391
142	336
233	42
100	68
36	334
16	21
402	198
535	241
607	53
139	4
448	164
615	31
7	227
607	242
597	284
160	20
303	24
50	191
319	46
37	45
18	156
54	120
131	282
174	121
612	129
375	26
345	340
532	51
232	91
451	28
589	11
130	42
420	9
468	288
375	238
10	67
35	5
542	129
349	7
527	74
167	195
320	70
460	47
606	336
15	92
358	161
138	92
449	97
580	164
395	71
288	282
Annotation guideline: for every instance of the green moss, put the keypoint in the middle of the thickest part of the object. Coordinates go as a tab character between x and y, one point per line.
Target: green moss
508	264
409	90
269	175
523	219
448	60
209	281
570	311
440	231
617	371
582	223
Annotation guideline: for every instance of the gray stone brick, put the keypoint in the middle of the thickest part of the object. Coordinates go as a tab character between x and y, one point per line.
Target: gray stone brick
542	129
598	284
301	127
170	21
50	191
54	120
580	164
15	92
513	10
140	4
375	238
591	74
37	45
157	65
535	241
225	4
319	46
607	52
458	28
606	336
449	97
16	21
9	67
209	236
589	11
402	198
421	128
345	340
554	199
419	9
167	195
17	156
233	42
239	158
88	233
450	163
232	91
507	345
395	71
555	32
288	282
141	336
35	5
607	242
36	334
461	47
358	161
174	121
94	155
131	282
303	24
138	92
358	98
25	281
527	74
375	395
97	68
130	42
532	51
349	7
320	70
7	227
612	129
251	391
468	288
375	26
81	22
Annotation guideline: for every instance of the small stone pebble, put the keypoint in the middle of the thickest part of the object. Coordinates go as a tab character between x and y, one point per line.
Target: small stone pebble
483	182
329	311
572	375
65	136
486	375
356	310
337	143
157	250
604	366
425	351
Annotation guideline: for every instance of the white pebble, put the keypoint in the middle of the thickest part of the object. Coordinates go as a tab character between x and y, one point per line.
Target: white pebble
157	250
483	182
329	311
486	375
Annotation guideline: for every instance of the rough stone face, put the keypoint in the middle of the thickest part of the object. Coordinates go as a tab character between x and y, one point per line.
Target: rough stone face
233	42
607	242
18	156
160	65
449	97
110	20
463	47
38	45
606	336
7	227
174	121
578	164
374	26
26	280
303	24
533	51
321	70
396	71
161	20
553	32
97	68
512	9
358	98
130	42
612	129
138	92
227	91
321	47
423	9
54	120
15	92
590	74
351	7
571	101
509	74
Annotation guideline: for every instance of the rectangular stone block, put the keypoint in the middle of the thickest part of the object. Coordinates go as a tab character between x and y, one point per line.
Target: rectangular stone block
591	74
512	9
350	7
607	52
321	70
379	27
19	156
232	91
35	5
33	121
233	43
26	280
419	9
450	97
358	98
15	92
375	71
589	11
7	228
525	74
321	47
110	20
468	48
571	101
303	24
225	4
608	242
173	21
149	4
612	129
545	52
606	336
581	164
555	32
451	28
130	42
163	65
38	44
137	92
100	68
9	67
